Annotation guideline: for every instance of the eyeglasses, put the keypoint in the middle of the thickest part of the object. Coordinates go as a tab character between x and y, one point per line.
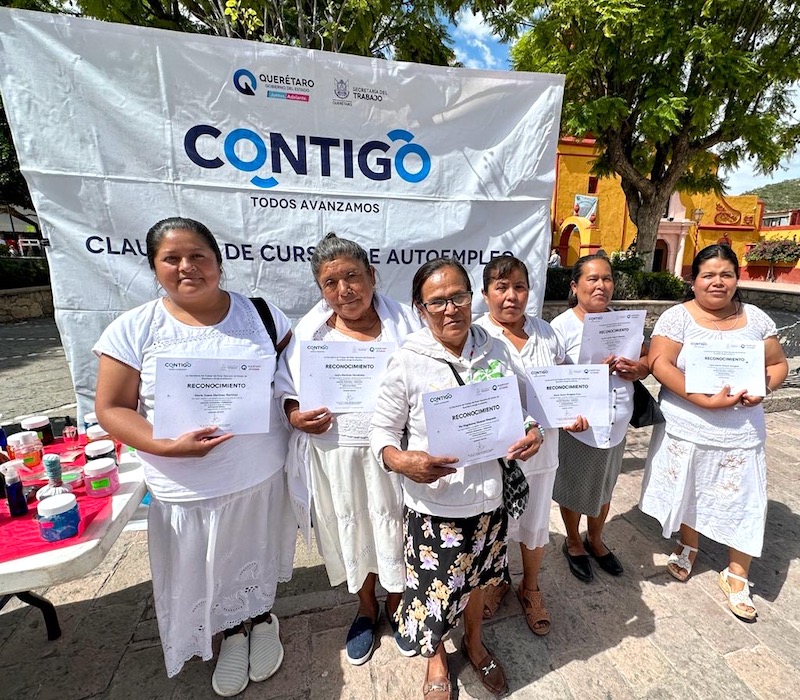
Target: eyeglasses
437	306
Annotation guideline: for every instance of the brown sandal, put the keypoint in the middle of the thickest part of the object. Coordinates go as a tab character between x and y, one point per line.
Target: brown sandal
535	612
492	597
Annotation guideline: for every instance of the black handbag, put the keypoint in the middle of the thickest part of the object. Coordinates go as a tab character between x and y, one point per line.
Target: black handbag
646	410
516	490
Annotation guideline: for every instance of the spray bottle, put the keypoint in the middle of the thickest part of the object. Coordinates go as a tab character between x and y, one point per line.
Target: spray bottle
15	496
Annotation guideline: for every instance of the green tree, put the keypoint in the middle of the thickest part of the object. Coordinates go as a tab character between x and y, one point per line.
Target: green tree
13	188
670	90
407	31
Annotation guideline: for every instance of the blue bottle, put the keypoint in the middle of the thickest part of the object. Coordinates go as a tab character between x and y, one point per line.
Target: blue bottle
17	505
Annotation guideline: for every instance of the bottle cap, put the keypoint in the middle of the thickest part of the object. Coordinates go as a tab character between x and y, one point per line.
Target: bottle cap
54	505
11	470
96	432
99	466
98	447
34	422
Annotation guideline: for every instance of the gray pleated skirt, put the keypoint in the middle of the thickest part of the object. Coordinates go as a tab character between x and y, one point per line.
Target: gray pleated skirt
586	475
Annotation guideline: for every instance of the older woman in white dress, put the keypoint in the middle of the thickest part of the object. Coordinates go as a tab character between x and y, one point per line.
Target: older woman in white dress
357	506
706	468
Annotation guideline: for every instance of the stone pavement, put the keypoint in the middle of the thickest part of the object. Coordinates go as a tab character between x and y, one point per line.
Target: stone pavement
644	635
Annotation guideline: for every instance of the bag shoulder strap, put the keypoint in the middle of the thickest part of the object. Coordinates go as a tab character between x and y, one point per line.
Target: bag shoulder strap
503	464
266	318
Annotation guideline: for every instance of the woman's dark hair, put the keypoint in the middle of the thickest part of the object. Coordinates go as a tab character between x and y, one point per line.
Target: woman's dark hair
156	234
501	268
332	247
712	252
428	269
577	273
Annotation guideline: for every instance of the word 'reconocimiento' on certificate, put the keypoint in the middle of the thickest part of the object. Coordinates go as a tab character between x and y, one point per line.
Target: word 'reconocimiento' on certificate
476	422
711	366
618	333
558	395
342	376
233	394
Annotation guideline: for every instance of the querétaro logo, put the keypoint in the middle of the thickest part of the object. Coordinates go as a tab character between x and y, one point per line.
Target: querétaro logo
245	82
328	156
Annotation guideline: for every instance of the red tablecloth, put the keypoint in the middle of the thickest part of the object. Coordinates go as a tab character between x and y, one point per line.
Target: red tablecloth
19	537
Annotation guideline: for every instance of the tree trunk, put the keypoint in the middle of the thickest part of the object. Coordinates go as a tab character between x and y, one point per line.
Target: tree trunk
646	212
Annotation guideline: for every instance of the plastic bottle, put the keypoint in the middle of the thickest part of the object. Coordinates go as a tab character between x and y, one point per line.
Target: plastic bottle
3	441
14	494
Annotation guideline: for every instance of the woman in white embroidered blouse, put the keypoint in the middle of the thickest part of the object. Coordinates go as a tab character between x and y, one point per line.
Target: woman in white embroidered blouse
706	467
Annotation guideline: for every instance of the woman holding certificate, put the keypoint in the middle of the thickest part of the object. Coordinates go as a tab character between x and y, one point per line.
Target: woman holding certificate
530	342
455	521
220	532
590	462
357	505
706	468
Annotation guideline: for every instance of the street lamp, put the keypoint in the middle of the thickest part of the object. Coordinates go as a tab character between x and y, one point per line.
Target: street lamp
697	217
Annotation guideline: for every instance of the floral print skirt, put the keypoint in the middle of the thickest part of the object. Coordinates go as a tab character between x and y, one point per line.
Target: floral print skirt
445	560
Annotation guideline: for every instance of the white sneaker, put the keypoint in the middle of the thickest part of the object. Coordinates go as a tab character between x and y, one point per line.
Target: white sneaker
230	675
266	650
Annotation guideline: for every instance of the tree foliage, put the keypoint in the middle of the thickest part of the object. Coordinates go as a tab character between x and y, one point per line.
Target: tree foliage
408	31
670	90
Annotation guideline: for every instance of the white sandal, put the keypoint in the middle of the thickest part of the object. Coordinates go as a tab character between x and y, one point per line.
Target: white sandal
735	599
681	561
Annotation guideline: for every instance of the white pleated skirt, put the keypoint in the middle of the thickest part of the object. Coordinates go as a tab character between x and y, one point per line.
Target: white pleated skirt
533	527
721	493
216	563
358	516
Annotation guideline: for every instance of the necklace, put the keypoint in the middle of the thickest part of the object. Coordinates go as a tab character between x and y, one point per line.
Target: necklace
716	321
333	322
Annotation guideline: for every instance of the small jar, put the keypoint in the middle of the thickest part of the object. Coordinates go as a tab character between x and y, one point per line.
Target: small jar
58	517
100	449
89	420
28	447
96	432
101	477
41	426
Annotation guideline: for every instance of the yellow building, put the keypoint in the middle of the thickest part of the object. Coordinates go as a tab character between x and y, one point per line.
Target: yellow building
591	213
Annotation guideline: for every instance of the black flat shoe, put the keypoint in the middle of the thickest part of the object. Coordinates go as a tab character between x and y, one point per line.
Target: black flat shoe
608	562
579	565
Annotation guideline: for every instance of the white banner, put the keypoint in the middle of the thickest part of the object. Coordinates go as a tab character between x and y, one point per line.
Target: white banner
271	147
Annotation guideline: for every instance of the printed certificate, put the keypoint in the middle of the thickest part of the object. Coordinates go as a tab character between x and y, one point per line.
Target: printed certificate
233	394
710	366
476	422
558	395
619	333
342	376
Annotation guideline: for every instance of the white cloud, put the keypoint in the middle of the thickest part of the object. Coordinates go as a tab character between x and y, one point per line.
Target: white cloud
476	45
472	24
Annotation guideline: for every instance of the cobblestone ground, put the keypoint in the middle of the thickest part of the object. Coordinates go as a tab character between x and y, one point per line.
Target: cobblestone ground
643	635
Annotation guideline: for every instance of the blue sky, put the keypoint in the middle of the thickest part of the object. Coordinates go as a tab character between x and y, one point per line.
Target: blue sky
476	47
